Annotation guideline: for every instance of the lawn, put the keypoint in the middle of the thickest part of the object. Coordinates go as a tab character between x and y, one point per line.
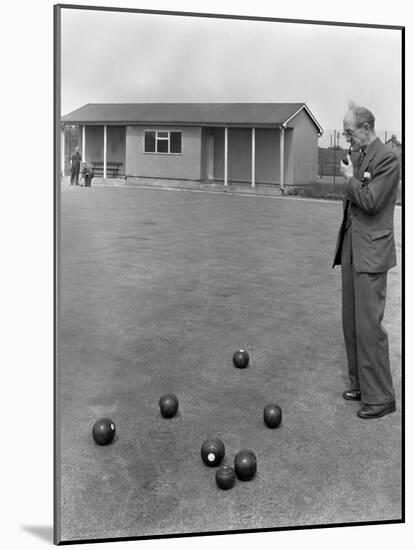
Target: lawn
158	288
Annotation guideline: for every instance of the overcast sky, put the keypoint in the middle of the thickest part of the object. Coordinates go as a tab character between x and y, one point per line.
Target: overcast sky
128	57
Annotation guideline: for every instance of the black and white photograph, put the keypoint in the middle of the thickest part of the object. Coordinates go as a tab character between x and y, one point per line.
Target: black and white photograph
204	274
222	365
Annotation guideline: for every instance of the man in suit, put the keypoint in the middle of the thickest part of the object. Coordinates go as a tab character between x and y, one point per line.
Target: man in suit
366	251
75	166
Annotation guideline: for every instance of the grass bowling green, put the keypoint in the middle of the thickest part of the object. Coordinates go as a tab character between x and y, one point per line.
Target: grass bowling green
158	288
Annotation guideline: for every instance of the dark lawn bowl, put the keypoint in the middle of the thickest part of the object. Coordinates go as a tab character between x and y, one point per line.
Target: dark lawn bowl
225	477
103	431
245	465
241	359
272	415
212	452
169	405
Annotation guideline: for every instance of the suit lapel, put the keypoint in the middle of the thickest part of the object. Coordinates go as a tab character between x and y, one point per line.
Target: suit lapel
361	165
370	154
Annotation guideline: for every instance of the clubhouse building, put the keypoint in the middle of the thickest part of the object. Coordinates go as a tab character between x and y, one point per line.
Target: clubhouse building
252	143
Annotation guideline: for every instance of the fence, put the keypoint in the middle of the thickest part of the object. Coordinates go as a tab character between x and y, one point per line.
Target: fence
329	157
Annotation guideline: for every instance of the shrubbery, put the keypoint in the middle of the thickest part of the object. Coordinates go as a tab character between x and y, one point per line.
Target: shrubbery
319	190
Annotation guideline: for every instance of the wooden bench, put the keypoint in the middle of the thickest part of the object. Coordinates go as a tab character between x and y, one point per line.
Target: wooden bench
113	168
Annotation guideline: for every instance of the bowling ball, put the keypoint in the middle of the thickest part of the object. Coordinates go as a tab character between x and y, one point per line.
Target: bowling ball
103	431
241	359
169	405
225	477
212	452
245	465
272	415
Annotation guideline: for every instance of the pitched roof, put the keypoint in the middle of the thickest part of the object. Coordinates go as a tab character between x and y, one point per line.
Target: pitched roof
265	114
393	141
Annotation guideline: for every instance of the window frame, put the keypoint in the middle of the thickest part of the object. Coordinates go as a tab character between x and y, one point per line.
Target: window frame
158	138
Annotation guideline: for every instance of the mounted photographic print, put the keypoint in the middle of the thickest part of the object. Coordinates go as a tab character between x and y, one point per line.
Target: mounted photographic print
228	255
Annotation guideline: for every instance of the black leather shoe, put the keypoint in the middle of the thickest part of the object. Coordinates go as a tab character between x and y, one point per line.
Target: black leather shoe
376	411
352	395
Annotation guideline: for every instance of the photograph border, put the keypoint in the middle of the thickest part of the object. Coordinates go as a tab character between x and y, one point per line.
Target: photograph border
57	35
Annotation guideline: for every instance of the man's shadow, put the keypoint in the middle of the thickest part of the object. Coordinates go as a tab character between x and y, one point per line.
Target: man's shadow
40	531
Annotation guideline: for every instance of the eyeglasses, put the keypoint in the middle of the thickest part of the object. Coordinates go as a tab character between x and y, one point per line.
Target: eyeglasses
348	133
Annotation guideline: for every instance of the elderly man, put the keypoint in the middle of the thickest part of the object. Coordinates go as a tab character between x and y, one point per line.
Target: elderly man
366	251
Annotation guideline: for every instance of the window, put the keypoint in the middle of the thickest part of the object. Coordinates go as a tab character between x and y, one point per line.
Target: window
162	141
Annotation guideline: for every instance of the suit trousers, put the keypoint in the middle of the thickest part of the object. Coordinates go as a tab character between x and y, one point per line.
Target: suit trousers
367	349
75	174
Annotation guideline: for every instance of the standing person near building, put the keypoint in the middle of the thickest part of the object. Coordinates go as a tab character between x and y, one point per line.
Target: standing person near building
75	166
366	251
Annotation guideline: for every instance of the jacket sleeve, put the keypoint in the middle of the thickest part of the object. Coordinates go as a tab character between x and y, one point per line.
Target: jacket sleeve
372	195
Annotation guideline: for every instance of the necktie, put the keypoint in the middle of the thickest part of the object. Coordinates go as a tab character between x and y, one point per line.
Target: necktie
348	217
360	160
